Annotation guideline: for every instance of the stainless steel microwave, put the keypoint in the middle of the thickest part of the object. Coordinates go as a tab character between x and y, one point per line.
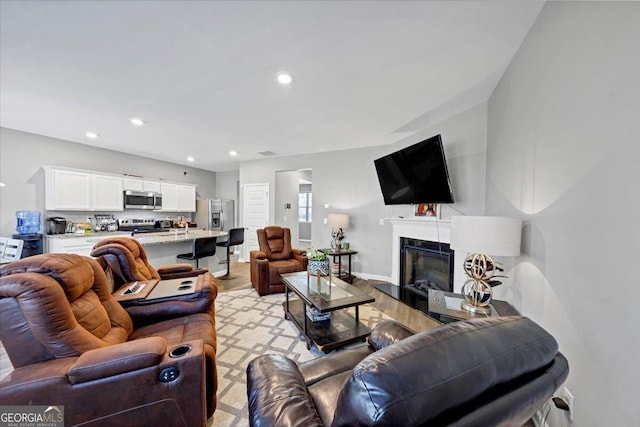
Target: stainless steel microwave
142	200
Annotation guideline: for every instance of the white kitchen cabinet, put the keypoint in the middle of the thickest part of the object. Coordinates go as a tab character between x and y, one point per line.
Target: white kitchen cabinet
138	184
154	186
170	197
80	245
178	198
134	184
75	190
187	198
106	193
67	190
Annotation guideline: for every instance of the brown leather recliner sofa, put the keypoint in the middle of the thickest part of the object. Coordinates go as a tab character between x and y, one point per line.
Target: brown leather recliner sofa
125	259
274	258
72	344
481	372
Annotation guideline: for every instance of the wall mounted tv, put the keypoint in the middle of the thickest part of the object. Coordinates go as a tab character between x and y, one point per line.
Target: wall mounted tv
415	174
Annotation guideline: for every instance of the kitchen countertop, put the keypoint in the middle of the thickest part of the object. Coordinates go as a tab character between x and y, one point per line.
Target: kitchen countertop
165	237
93	234
159	238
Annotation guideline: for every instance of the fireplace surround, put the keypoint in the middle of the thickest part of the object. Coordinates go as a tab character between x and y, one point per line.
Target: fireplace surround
434	230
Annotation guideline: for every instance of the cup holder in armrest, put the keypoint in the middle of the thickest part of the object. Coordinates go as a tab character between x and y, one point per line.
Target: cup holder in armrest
180	351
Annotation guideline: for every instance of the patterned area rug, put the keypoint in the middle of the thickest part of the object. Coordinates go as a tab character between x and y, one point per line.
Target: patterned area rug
248	326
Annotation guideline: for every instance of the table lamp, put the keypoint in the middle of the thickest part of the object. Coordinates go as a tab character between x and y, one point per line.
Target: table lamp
338	222
482	237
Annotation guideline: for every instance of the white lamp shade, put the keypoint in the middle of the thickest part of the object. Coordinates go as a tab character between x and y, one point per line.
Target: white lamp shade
489	235
338	220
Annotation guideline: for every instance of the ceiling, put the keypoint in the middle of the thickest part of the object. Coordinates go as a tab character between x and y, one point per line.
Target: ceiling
202	74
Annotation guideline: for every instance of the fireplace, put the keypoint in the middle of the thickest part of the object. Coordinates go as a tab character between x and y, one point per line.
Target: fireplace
424	237
426	265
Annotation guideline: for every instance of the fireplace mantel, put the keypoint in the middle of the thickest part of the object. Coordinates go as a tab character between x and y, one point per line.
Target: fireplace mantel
435	230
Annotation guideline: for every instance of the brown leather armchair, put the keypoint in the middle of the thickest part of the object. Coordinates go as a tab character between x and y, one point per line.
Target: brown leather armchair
127	261
72	344
275	257
483	372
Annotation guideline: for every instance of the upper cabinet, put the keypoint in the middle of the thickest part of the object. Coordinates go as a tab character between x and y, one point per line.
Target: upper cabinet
106	193
178	197
139	184
154	186
134	184
69	189
187	198
170	197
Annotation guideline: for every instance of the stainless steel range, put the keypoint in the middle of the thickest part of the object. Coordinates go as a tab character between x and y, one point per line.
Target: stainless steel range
138	225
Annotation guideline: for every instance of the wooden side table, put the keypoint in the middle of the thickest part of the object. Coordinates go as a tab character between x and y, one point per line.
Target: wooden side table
339	253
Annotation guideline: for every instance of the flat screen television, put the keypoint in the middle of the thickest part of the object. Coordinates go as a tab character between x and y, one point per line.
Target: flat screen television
415	174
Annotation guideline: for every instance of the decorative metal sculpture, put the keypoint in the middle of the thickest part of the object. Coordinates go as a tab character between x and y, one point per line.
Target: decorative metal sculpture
478	289
337	234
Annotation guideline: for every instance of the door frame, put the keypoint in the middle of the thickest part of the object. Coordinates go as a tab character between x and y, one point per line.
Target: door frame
267	206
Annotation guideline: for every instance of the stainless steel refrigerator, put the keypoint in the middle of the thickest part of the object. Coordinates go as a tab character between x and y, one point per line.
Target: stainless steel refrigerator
215	214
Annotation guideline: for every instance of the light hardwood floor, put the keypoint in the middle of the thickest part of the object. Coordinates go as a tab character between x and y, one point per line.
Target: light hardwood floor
393	308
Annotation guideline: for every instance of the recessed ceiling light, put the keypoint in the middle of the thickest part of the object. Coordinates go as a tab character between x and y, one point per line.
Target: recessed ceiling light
233	153
284	78
91	135
190	159
2	184
136	121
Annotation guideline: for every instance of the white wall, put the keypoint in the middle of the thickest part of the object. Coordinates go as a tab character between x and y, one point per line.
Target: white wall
22	156
347	181
563	151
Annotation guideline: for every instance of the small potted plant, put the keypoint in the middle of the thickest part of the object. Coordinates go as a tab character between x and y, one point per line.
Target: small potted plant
318	264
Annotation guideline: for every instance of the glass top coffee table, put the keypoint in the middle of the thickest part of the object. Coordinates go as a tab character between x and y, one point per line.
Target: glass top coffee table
320	298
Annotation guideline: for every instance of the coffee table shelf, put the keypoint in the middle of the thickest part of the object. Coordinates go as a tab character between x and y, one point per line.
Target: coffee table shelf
330	334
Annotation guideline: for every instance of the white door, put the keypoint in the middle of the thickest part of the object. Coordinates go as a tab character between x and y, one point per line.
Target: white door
255	215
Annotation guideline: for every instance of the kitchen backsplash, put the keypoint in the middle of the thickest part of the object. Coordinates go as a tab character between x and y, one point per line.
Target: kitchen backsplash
83	217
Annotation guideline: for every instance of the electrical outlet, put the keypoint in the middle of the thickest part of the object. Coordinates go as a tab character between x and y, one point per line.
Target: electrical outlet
568	397
381	221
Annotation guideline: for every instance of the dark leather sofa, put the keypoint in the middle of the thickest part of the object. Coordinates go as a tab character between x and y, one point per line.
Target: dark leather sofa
482	372
275	257
72	344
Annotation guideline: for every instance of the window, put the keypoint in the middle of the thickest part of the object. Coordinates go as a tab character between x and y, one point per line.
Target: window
304	207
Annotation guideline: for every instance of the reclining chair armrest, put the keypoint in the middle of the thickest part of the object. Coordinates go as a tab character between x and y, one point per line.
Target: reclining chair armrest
178	271
386	333
301	256
321	368
277	394
260	275
117	359
256	255
30	379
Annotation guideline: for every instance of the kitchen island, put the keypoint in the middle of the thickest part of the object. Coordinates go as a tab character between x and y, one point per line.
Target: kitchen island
162	247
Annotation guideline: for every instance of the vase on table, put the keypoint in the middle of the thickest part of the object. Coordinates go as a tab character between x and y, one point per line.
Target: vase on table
320	269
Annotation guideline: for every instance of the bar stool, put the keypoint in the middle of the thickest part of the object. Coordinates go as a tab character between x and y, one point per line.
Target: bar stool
202	247
236	237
